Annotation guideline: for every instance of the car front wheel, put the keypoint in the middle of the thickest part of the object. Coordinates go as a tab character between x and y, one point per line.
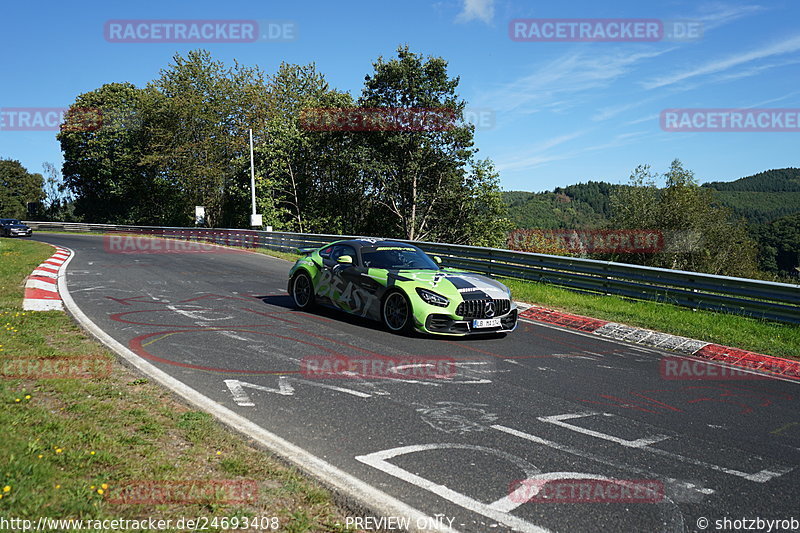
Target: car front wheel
396	312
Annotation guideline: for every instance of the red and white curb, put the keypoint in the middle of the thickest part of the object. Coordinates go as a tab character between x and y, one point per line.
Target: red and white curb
778	366
41	288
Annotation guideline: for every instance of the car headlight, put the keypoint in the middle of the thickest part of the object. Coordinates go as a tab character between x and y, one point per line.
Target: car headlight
430	297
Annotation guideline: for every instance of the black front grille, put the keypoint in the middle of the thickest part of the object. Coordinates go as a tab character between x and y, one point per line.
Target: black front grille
445	324
477	308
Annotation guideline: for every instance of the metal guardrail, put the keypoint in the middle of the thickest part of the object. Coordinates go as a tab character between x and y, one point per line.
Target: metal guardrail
741	296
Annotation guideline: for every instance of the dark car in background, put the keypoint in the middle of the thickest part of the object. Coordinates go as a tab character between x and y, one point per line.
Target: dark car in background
11	227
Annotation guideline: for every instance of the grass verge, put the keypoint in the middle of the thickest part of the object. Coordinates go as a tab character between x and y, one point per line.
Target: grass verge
75	445
771	338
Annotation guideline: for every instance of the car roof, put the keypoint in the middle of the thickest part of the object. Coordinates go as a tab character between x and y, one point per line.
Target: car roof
369	242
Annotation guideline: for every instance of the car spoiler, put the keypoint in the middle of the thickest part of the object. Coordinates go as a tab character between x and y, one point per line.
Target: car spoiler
306	251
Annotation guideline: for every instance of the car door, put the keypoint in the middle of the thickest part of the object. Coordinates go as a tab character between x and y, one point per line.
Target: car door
334	277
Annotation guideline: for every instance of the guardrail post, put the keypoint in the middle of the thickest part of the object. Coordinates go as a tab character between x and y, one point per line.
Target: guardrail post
606	278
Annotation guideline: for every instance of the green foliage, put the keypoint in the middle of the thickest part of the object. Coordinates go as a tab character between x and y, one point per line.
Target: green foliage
104	167
760	207
762	197
183	141
311	178
200	113
776	180
596	194
475	213
418	177
699	235
779	243
17	188
580	206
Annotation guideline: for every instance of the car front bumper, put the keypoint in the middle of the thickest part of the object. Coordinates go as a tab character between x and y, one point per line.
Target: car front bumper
446	324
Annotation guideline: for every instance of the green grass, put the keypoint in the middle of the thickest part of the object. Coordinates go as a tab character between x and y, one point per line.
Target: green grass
71	443
760	336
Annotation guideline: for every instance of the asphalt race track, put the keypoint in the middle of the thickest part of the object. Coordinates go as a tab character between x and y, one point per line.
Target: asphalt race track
550	406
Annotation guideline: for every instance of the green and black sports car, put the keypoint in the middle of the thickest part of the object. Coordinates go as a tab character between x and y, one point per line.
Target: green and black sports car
399	285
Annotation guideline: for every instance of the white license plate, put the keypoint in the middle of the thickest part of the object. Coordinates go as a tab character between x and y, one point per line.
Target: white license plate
486	323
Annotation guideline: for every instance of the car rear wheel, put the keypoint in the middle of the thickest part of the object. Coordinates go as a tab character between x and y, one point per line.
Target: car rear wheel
303	291
396	312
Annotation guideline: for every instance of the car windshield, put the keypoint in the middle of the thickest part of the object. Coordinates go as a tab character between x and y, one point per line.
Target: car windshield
397	258
9	221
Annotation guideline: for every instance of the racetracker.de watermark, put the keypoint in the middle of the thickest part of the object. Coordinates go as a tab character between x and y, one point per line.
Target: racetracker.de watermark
408	367
158	241
183	492
589	241
586	491
377	119
50	119
93	367
393	119
604	30
199	31
682	368
721	119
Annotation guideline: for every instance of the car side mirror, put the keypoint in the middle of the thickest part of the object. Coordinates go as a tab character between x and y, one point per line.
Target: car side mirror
437	259
345	260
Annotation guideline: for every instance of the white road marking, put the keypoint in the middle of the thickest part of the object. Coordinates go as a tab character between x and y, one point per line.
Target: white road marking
638	443
232	335
379	461
197	314
592	457
285	388
644	444
241	398
332	387
90	288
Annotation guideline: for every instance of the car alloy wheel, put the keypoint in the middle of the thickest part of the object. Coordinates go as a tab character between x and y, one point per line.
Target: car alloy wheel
302	291
396	312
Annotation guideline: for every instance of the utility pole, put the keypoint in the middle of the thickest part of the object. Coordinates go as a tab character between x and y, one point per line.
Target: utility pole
256	220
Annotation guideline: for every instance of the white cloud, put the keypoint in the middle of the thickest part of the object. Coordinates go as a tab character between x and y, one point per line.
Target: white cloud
649	118
717	14
537	155
563	77
783	47
477	10
608	112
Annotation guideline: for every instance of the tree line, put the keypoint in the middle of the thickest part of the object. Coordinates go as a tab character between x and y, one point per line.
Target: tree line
182	141
749	227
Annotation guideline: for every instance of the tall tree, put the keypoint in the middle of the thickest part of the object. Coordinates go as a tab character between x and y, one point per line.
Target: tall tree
198	130
416	170
475	212
310	176
18	187
58	202
104	167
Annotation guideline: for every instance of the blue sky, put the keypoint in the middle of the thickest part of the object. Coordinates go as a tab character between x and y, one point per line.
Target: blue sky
561	112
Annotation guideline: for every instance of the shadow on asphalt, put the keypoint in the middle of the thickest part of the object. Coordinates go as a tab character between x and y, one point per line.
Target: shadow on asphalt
285	301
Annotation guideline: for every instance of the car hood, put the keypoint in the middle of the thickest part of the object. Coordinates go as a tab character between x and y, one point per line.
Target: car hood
17	226
469	285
